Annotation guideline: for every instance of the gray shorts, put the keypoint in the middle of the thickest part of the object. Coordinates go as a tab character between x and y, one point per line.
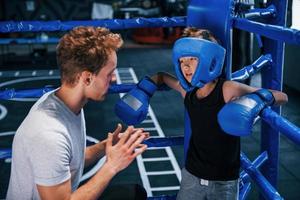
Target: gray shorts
192	187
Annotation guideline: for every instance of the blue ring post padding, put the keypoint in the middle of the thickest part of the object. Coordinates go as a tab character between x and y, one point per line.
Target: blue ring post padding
281	124
121	88
261	159
28	93
164	142
50	40
244	192
36	93
274	32
245	178
250	70
270	11
259	41
272	79
57	25
267	190
163	197
216	16
32	92
5	153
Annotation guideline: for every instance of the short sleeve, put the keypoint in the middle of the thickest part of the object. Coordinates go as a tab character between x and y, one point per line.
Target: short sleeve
50	154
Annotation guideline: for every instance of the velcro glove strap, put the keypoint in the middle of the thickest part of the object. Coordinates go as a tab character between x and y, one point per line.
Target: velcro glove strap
147	85
266	96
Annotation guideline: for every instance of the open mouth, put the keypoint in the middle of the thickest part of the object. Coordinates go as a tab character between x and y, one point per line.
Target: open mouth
188	75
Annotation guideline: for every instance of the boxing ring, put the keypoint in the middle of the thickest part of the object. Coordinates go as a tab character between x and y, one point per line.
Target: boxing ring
268	26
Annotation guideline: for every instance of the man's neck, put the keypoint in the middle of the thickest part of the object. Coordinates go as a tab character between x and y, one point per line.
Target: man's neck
72	97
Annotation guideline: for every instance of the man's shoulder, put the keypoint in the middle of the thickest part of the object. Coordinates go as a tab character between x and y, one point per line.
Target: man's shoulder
47	107
46	118
44	115
45	112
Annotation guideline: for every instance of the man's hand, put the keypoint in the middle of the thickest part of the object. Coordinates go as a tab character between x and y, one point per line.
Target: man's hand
126	149
117	133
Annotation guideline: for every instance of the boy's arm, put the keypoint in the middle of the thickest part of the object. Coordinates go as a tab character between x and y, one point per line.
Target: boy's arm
233	90
133	107
165	78
238	115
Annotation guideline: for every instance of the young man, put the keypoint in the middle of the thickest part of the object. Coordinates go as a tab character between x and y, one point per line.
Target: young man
213	159
49	148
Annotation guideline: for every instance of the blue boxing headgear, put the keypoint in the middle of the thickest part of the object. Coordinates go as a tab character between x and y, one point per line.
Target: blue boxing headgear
210	60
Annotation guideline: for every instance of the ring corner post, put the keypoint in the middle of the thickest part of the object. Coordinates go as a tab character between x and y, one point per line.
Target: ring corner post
272	79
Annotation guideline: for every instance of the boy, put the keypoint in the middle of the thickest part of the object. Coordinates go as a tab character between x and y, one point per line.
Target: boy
213	159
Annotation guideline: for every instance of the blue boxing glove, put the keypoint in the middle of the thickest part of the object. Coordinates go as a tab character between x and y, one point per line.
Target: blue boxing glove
237	117
132	108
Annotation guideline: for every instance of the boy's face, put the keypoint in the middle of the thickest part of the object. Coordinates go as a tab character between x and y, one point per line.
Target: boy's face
188	66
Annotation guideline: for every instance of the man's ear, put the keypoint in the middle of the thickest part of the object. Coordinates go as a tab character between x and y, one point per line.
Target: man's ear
86	77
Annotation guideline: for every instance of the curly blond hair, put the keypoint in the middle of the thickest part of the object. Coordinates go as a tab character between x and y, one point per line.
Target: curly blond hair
85	48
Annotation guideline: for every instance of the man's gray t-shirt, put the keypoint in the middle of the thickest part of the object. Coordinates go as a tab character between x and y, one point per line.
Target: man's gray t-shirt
48	148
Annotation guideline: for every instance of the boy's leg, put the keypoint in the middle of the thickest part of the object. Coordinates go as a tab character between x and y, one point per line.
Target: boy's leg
124	191
191	187
226	190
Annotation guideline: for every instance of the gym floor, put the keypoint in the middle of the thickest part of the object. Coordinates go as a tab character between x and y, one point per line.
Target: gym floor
168	109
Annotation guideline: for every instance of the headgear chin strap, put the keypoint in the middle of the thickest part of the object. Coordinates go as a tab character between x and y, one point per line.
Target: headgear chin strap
210	60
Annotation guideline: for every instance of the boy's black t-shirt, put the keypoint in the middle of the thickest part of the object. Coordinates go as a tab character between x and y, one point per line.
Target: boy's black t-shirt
212	154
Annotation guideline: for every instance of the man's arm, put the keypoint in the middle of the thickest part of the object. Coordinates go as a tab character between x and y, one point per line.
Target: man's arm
91	190
119	156
233	90
94	153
